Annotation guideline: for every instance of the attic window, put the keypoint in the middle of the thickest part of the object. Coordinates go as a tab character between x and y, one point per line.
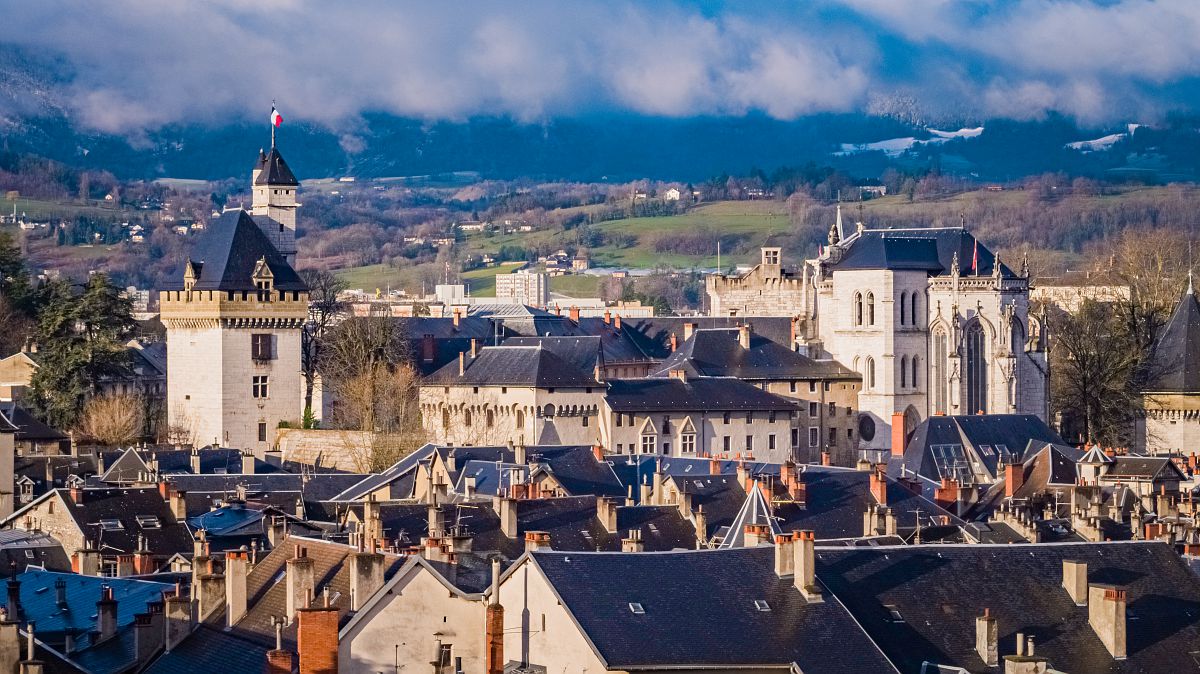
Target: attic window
762	605
636	608
894	613
148	521
111	524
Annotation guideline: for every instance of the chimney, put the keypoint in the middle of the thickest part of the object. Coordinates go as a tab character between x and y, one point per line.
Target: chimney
494	626
714	466
143	559
606	512
31	665
987	639
946	495
646	495
688	330
76	494
700	520
744	336
889	522
520	456
247	463
879	486
237	564
462	363
474	348
195	461
617	321
317	640
899	438
428	348
211	595
300	582
366	576
755	535
658	495
674	342
148	632
1075	581
633	542
1014	478
86	562
1106	615
10	645
804	566
13	605
678	373
279	661
870	522
785	558
457	317
607	317
106	615
826	459
537	540
575	314
60	593
598	452
177	618
506	510
124	565
178	504
435	524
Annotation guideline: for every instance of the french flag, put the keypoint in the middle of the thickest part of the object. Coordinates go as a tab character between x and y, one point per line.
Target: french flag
276	118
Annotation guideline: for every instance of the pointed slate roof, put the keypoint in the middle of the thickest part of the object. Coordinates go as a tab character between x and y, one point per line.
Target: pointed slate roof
1174	363
228	253
275	171
716	352
930	249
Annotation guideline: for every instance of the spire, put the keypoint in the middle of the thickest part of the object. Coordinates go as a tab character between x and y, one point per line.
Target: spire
1025	264
841	233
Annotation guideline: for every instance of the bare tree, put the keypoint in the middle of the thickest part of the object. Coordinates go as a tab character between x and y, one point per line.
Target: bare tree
1154	264
112	420
324	310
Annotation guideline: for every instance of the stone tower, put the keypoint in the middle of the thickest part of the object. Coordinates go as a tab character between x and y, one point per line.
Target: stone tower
274	202
234	323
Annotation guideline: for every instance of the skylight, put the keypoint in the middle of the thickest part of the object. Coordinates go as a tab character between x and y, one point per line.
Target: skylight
111	524
894	613
148	521
636	608
762	605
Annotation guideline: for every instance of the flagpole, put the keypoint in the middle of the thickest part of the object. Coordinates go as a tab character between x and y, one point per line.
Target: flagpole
272	123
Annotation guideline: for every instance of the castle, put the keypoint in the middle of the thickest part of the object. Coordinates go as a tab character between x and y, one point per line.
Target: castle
933	321
234	322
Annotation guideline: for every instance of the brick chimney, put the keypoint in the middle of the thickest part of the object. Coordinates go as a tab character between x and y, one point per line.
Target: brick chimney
617	321
1014	478
606	512
317	640
1075	581
178	618
457	317
607	317
124	565
826	459
946	495
537	540
279	661
493	632
785	557
633	542
899	437
987	638
805	566
678	373
300	581
879	486
366	576
714	466
598	452
462	363
237	564
106	615
574	314
755	534
674	342
744	336
1106	615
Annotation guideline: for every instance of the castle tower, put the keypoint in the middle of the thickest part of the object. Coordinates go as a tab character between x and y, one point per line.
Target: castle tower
233	337
274	204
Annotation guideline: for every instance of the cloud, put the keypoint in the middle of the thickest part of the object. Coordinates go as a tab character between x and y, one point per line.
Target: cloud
140	64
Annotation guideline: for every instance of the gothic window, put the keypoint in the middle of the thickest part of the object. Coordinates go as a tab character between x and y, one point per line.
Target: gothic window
466	417
940	384
870	373
903	371
976	366
913	380
520	418
858	309
912	307
491	418
445	418
903	306
870	308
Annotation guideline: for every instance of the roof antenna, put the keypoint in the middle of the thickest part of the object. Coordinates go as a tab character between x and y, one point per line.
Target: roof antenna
962	219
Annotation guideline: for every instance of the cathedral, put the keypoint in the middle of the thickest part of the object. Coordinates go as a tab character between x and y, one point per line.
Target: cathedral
933	321
234	322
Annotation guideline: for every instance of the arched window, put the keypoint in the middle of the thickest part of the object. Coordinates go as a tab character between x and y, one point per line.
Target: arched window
903	306
548	411
870	373
466	417
913	380
903	371
520	418
445	418
490	418
870	308
912	307
939	371
858	309
976	366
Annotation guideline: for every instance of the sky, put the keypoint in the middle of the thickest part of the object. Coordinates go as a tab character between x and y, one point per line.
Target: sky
135	65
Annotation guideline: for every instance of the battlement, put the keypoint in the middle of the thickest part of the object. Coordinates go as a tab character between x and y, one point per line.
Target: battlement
235	308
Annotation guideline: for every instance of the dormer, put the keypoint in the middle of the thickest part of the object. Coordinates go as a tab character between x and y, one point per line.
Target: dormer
264	278
191	273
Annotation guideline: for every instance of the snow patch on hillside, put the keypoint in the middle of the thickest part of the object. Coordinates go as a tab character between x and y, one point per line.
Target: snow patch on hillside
894	147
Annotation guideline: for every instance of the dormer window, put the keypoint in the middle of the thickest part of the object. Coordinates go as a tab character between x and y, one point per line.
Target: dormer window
264	279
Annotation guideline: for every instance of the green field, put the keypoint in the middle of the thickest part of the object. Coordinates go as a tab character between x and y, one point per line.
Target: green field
576	286
480	282
37	209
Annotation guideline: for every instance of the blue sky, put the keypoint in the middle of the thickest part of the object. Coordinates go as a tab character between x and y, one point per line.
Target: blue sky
140	64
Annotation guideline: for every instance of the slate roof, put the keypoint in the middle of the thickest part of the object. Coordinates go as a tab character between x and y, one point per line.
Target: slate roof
126	465
694	619
1174	363
702	393
718	353
653	335
26	426
208	650
939	590
1144	467
279	489
58	468
125	505
1013	432
925	249
20	549
515	366
228	251
275	171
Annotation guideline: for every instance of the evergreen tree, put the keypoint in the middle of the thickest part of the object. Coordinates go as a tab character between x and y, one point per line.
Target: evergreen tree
81	340
14	278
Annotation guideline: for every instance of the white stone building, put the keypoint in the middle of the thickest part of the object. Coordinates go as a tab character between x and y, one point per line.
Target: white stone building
234	322
523	287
